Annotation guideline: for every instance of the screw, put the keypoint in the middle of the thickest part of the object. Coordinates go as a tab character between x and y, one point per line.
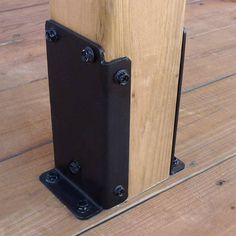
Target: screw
83	206
51	35
122	77
52	177
175	161
119	191
74	167
87	55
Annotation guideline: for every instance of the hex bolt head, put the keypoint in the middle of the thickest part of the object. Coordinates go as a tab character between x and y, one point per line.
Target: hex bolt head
74	167
119	191
51	35
52	177
83	206
122	77
87	55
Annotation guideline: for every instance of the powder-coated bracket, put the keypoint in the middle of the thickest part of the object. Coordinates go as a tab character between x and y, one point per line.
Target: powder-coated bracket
90	107
176	164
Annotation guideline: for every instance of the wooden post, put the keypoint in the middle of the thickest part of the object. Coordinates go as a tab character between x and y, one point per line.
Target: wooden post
149	33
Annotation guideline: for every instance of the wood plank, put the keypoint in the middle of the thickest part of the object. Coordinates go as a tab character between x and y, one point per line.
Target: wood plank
203	205
25	118
22	46
23	61
205	16
206	22
6	5
32	210
154	46
24	105
17	76
30	64
23	211
206	47
202	70
208	122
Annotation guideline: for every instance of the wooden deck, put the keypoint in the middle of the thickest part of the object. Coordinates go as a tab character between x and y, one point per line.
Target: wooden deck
201	200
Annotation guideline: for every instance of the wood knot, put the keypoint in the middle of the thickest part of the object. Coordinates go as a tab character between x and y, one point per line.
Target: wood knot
220	182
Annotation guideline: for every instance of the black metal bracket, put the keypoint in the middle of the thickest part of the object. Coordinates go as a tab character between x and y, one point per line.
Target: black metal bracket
176	164
90	107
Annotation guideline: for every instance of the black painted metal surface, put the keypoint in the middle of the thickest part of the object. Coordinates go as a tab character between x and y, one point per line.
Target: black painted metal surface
90	120
176	164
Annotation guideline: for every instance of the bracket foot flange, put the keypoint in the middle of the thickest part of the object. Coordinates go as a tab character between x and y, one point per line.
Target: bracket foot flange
70	195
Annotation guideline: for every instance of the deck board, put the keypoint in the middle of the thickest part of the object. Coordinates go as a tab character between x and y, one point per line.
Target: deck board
30	126
202	205
211	26
12	5
22	46
207	142
23	61
206	136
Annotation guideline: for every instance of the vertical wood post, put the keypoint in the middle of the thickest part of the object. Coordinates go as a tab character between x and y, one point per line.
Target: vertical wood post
149	33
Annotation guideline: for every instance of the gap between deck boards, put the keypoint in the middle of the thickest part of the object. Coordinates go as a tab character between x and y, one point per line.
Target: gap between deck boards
204	85
25	7
187	91
155	194
155	189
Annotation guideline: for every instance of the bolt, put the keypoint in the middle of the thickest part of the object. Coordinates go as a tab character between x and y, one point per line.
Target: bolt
51	35
74	167
87	55
83	206
119	191
52	177
122	77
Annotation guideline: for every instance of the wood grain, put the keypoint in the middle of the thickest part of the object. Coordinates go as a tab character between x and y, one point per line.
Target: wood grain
206	136
203	205
23	60
206	16
30	209
12	5
22	46
24	118
154	46
206	22
207	118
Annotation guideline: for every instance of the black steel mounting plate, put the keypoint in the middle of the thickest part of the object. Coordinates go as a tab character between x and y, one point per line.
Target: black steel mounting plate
90	122
176	164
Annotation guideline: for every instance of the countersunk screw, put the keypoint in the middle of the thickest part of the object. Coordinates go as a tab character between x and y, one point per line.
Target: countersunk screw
51	35
74	167
87	55
52	177
122	77
83	206
119	191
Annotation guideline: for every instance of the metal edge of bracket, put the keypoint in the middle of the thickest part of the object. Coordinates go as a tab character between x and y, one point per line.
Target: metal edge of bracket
90	108
176	164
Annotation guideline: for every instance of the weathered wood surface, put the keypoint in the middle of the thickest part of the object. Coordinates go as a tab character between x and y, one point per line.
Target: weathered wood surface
12	5
211	47
23	62
203	205
203	143
206	137
22	46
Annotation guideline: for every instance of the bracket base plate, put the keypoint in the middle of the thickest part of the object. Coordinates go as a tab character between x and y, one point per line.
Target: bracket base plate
78	202
177	166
